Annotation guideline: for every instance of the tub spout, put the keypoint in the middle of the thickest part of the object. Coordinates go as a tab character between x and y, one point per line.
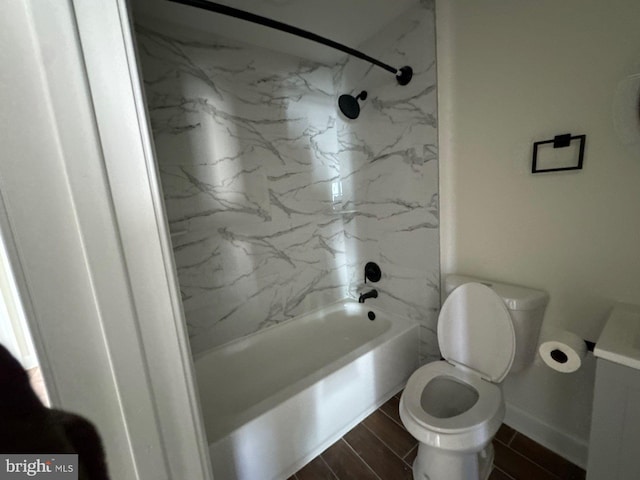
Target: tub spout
370	294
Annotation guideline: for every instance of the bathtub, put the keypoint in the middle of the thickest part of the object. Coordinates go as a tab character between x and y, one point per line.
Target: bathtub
276	399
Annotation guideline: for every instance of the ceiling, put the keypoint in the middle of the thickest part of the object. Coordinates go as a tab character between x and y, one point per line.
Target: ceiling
349	22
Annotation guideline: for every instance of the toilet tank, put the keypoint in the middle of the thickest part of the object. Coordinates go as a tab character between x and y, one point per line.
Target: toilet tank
526	306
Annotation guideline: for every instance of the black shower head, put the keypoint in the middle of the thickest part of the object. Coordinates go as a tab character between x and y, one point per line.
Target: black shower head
349	105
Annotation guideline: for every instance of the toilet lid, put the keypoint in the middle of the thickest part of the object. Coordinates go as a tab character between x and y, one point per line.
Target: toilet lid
475	330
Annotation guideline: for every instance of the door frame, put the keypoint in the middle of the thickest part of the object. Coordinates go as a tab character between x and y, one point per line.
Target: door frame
82	216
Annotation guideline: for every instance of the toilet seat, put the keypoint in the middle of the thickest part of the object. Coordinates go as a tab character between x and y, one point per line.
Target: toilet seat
487	405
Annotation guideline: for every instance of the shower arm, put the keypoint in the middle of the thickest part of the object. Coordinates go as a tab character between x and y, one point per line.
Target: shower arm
403	74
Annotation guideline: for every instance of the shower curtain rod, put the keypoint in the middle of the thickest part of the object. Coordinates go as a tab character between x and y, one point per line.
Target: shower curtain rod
403	74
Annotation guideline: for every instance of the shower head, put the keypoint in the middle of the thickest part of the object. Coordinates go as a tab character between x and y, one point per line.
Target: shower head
349	105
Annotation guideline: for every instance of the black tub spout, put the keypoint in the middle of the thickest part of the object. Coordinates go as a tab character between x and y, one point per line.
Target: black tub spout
370	294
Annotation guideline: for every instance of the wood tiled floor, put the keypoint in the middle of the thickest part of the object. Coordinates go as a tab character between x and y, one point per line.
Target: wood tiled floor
380	448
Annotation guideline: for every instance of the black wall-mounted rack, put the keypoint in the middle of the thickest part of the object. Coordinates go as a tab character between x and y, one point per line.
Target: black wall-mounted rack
559	141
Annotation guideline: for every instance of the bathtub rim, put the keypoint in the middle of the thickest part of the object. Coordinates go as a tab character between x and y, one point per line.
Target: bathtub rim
333	306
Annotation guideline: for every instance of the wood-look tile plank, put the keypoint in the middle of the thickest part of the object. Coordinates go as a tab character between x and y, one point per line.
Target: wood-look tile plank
386	464
547	459
505	434
393	435
345	463
317	469
411	456
518	466
392	409
499	475
365	453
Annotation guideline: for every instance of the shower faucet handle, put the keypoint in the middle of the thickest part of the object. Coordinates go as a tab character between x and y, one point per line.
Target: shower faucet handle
372	272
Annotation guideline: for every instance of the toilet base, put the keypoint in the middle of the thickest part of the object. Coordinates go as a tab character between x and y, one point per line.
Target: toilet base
437	464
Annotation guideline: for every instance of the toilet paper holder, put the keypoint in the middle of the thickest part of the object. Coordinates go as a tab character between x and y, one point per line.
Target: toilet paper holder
560	357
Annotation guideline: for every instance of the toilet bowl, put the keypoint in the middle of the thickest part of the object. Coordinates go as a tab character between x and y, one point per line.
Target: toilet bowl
454	407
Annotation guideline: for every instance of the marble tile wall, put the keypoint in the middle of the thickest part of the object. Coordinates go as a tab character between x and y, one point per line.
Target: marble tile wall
389	169
276	201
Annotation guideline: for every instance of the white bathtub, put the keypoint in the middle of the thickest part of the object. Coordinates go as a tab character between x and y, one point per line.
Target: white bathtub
274	400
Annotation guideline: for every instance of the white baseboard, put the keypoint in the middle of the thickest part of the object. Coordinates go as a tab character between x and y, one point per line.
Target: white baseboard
564	444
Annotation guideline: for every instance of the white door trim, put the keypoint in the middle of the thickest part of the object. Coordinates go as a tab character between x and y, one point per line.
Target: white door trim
83	219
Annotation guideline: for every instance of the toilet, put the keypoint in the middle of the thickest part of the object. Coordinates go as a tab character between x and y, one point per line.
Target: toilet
455	406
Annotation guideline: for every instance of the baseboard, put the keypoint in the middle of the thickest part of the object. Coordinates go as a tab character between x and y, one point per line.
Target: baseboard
564	444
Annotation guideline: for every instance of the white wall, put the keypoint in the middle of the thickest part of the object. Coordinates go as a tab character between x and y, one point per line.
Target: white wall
514	72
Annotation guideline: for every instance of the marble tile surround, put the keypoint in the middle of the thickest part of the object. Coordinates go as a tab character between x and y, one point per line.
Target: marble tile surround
277	201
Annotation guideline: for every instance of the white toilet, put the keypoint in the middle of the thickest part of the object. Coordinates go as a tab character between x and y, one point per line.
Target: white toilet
454	407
